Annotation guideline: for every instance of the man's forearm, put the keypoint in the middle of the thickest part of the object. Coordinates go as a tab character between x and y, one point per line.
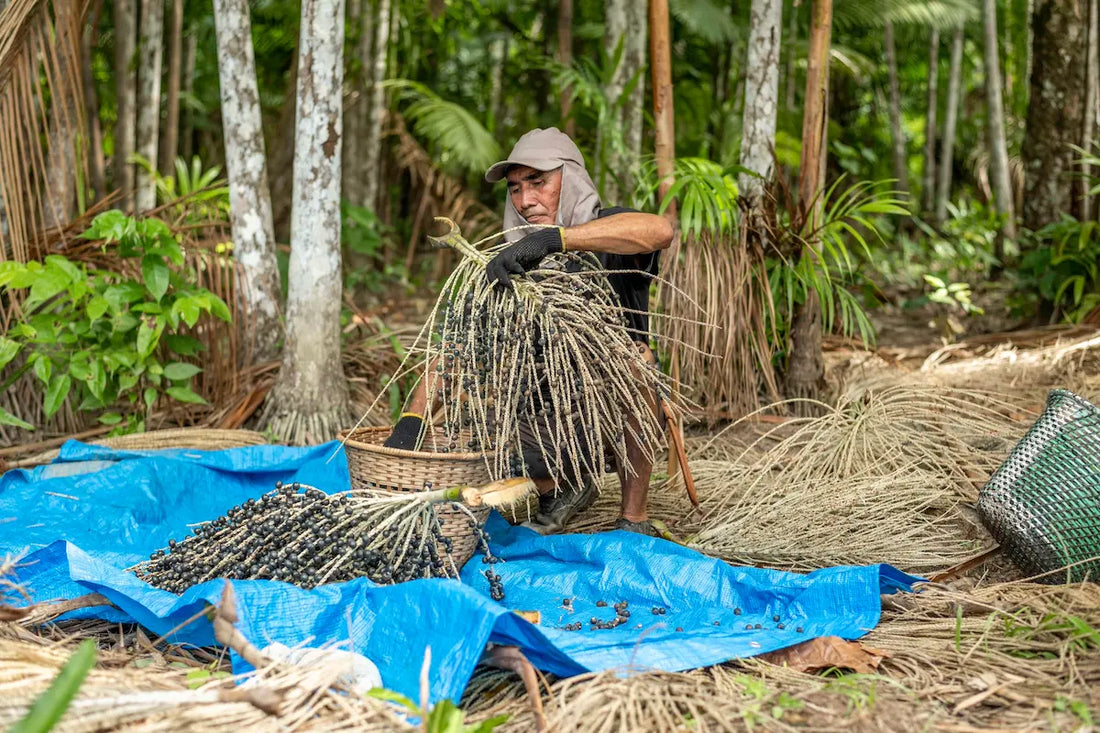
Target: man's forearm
624	234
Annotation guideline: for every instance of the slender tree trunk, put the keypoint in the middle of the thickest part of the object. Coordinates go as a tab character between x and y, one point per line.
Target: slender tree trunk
148	102
625	24
1055	110
792	38
498	52
309	401
357	115
187	124
281	152
761	96
998	150
660	52
897	134
62	158
246	164
928	173
805	366
950	122
372	143
96	162
125	22
169	141
565	58
1088	122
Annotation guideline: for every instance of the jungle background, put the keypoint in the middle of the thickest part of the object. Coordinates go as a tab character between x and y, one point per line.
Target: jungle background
954	193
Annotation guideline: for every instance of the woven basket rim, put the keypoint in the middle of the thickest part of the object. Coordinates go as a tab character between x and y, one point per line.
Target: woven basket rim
347	439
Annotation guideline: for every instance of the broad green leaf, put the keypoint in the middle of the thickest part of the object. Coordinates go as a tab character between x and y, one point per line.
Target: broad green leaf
187	309
180	370
183	345
148	336
63	265
80	369
97	382
8	350
43	367
149	397
126	380
155	273
56	393
6	418
109	225
184	394
11	271
97	306
110	418
219	308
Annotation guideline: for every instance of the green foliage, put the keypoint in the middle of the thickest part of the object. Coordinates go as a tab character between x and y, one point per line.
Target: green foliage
706	19
707	193
104	338
198	195
941	14
52	704
458	138
1062	269
445	717
954	295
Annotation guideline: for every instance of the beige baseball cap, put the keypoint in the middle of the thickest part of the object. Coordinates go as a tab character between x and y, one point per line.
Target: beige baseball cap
541	149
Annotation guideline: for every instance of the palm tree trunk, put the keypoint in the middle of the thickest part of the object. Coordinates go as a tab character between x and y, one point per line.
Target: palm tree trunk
660	52
998	149
1092	78
169	142
96	163
806	366
150	52
246	164
928	173
309	402
498	52
187	124
897	135
950	121
761	97
565	58
125	22
357	114
372	142
634	59
1055	110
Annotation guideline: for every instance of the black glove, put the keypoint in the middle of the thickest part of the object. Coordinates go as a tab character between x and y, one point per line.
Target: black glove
406	433
524	255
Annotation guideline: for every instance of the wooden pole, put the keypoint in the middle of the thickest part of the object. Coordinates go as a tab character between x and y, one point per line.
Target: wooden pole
661	63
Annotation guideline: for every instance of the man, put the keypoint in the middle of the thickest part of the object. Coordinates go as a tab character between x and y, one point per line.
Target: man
548	185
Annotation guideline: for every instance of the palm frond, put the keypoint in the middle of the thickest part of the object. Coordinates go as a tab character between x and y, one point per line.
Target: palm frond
707	193
459	137
939	14
707	19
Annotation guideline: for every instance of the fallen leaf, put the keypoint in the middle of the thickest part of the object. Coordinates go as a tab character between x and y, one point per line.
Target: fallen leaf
826	652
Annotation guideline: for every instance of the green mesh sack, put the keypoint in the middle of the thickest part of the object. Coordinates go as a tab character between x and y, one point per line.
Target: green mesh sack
1043	504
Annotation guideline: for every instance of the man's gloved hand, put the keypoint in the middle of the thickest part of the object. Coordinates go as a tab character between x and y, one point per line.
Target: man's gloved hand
406	433
524	255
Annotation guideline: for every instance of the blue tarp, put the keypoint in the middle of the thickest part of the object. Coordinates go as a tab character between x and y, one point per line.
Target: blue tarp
96	511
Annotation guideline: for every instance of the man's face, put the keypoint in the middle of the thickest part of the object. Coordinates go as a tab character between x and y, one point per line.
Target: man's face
535	193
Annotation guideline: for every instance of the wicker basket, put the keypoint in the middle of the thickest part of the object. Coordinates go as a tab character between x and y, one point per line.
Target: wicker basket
375	468
1043	504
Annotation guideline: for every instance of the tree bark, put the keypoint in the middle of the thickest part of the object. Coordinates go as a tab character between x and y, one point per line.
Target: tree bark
792	38
357	114
187	124
125	22
150	52
565	58
169	141
625	24
897	134
498	52
928	172
309	401
660	52
246	164
96	162
1088	122
805	366
64	126
1055	111
950	122
761	97
998	149
372	143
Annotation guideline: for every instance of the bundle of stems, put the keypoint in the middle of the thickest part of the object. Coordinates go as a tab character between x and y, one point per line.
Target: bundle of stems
300	534
547	365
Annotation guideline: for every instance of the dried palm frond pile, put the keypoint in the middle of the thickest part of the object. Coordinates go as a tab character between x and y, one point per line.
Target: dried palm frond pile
887	477
309	538
549	363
